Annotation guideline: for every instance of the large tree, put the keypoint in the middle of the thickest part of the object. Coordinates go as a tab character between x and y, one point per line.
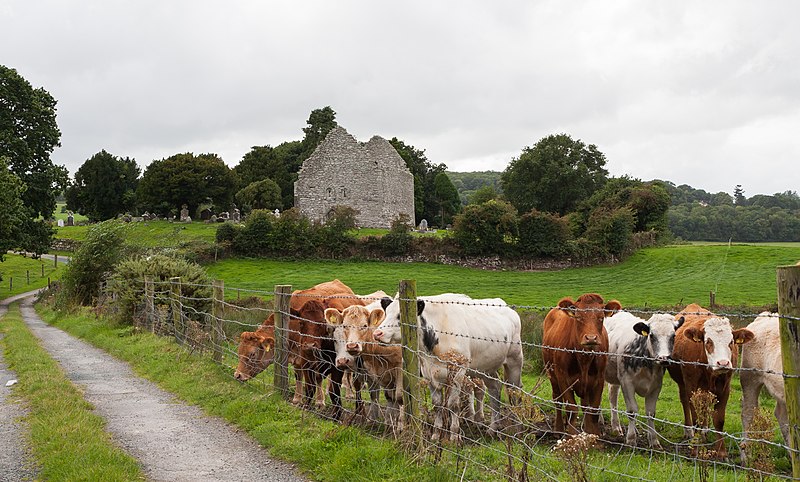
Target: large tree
319	123
18	229
447	196
186	179
105	185
554	175
266	162
28	135
426	205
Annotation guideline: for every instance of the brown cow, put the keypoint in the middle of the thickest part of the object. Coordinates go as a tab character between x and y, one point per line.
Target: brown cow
577	364
706	339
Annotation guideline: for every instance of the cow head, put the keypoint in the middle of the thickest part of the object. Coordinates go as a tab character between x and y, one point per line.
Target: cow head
356	325
660	333
256	350
719	340
388	330
589	313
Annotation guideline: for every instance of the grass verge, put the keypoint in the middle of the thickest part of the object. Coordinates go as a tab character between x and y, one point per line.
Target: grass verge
325	450
68	440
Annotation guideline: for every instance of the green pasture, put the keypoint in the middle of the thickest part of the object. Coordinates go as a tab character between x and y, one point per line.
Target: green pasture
741	275
151	234
57	214
20	274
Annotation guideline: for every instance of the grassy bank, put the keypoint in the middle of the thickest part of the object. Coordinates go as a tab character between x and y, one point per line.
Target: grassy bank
16	271
668	276
68	440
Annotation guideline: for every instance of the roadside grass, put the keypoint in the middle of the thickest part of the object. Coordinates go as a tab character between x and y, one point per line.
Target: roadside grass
68	440
741	275
16	270
325	450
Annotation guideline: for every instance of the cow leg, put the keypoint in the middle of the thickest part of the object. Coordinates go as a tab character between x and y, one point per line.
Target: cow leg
436	401
493	387
356	381
297	399
591	409
750	390
374	410
688	415
335	392
480	394
650	409
632	409
348	382
558	402
312	380
613	398
453	403
719	424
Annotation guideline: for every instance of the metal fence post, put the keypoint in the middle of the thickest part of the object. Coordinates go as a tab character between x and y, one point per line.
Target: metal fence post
217	308
177	313
789	305
408	332
283	295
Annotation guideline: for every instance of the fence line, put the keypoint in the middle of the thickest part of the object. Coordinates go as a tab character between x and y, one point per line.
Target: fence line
214	324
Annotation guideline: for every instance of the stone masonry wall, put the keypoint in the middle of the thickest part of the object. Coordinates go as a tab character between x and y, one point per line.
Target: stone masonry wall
371	178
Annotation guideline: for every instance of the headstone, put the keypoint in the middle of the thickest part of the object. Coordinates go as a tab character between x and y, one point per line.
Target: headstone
423	225
146	216
185	214
277	213
213	218
60	223
237	216
205	214
70	219
224	215
127	218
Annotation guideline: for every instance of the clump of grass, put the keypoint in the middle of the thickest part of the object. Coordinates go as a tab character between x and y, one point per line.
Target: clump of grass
68	441
703	403
757	449
575	453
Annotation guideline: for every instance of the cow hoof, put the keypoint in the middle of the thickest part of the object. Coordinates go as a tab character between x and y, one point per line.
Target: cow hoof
656	446
296	400
630	441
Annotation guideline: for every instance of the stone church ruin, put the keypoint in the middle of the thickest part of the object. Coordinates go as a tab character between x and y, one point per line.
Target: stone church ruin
369	177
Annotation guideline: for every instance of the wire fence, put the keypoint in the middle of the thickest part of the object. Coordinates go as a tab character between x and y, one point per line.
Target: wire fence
450	410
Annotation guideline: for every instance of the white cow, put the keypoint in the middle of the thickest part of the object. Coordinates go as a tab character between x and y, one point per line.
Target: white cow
461	337
764	353
640	351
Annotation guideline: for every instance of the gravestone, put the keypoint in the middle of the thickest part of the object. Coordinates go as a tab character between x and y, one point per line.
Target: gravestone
237	216
223	216
185	214
212	219
423	225
277	213
205	214
60	223
70	219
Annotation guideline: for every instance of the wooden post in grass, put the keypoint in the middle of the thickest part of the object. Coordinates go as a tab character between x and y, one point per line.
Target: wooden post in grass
28	275
42	270
10	283
283	294
177	312
55	261
149	303
408	332
216	319
789	308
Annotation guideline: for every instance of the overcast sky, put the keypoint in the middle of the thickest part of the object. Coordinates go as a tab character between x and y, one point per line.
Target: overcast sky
700	93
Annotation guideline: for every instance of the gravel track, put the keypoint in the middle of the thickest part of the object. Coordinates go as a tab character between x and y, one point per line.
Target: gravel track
172	441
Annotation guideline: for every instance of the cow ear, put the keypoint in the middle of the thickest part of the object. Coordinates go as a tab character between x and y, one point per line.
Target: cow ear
612	307
642	328
680	321
386	301
376	316
742	336
420	306
333	316
267	343
566	303
250	336
695	334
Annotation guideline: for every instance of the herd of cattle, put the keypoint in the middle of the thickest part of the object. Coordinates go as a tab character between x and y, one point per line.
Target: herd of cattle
463	343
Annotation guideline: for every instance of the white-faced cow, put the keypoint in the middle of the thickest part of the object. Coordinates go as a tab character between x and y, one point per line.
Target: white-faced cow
639	353
461	337
759	356
705	354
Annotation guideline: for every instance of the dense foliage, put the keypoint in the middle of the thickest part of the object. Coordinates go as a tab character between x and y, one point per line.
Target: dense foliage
275	164
263	194
92	263
469	183
13	214
28	135
104	186
554	175
544	235
186	179
426	203
488	228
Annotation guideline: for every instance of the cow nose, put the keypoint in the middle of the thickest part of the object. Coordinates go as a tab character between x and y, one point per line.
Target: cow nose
377	335
240	376
589	339
343	362
724	363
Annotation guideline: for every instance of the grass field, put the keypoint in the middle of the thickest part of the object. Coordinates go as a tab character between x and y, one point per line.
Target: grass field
152	233
68	439
17	270
59	215
655	277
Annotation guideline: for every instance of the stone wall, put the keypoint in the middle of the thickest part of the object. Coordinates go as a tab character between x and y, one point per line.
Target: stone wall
370	177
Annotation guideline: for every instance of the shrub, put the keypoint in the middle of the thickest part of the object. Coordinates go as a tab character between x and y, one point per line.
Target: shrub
227	232
127	283
543	234
91	263
255	236
612	229
488	228
335	238
397	241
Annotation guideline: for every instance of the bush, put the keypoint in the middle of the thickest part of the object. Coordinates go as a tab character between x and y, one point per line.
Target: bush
91	263
543	234
127	283
227	232
612	229
488	228
397	241
334	238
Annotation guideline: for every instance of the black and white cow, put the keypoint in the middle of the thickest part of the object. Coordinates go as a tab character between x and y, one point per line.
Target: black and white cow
639	353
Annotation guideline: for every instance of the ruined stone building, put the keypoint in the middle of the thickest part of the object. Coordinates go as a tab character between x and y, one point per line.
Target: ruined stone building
370	177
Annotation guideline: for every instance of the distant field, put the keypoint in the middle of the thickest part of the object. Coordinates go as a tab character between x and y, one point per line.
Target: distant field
151	233
655	277
59	215
16	270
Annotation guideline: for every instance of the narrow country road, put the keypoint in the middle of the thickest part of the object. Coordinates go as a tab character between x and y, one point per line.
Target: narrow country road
15	462
173	441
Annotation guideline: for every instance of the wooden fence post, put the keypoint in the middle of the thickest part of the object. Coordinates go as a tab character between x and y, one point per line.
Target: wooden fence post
283	294
28	275
789	305
217	308
408	332
149	303
42	265
177	312
55	261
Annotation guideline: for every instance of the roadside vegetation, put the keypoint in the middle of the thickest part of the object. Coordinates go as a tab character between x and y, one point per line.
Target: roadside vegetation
68	439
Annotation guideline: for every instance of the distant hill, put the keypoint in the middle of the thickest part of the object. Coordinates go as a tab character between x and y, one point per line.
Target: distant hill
468	182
